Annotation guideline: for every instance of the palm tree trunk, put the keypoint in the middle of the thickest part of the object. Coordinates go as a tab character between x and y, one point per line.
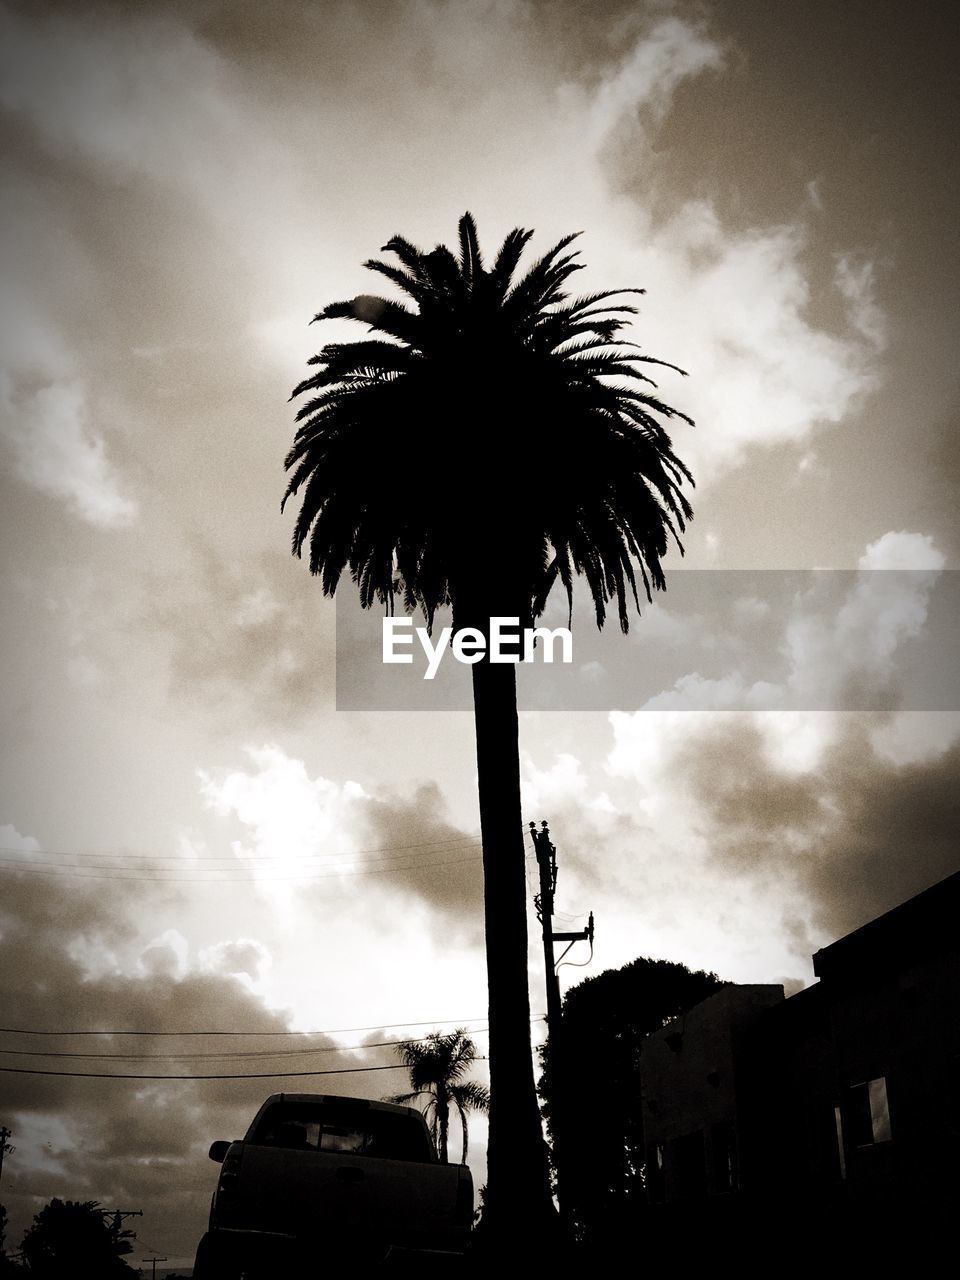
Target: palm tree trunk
443	1114
518	1202
466	1137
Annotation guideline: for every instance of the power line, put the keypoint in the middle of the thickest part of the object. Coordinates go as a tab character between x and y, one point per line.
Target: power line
230	1053
333	1031
261	1075
176	857
231	858
59	871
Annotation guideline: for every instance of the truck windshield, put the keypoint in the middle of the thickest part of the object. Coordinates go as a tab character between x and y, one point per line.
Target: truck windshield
307	1126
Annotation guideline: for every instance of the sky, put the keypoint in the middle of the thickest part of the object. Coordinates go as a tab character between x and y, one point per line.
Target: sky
193	836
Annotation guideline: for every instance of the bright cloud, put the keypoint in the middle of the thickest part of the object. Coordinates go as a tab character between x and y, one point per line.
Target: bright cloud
764	374
829	649
153	98
57	451
837	640
48	414
142	96
645	78
287	815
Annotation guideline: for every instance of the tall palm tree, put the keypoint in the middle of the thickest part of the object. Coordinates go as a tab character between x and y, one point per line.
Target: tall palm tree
492	438
437	1066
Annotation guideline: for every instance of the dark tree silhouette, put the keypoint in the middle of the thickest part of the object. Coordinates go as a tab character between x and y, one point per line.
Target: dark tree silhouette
7	1266
437	1065
605	1020
68	1237
494	439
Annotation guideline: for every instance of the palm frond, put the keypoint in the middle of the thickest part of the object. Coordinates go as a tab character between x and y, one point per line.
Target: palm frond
507	260
560	420
471	260
471	1096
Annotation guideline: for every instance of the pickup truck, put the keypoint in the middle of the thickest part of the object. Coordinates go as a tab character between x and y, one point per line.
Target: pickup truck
320	1179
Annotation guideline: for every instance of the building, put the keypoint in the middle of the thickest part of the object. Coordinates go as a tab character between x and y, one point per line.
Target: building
841	1100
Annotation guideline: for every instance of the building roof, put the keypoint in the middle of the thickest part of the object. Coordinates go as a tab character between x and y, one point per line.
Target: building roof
924	925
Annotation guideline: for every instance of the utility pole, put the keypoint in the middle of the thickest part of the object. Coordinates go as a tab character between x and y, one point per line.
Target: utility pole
547	863
153	1262
121	1237
5	1147
118	1216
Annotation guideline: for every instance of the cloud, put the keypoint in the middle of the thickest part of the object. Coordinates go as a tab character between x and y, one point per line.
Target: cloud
131	1142
166	956
843	656
316	836
48	418
12	841
915	737
823	640
144	95
445	873
542	788
795	826
856	281
660	624
148	99
746	841
250	641
56	451
287	817
903	550
763	373
645	78
855	836
245	959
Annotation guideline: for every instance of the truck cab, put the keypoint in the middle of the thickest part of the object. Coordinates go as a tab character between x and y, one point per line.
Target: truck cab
321	1177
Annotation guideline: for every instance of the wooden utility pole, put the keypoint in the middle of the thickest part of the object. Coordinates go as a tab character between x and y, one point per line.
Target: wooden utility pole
121	1237
547	863
153	1262
5	1146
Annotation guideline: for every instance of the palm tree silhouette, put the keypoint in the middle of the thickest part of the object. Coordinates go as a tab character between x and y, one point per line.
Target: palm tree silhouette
437	1066
494	438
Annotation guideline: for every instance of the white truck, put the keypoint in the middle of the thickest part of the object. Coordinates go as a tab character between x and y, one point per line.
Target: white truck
321	1179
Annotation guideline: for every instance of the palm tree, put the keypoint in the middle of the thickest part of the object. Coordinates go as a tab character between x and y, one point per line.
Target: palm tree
492	438
437	1065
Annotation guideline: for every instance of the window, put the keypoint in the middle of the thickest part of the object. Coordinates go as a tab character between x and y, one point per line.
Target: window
722	1171
868	1113
654	1175
838	1120
689	1166
310	1126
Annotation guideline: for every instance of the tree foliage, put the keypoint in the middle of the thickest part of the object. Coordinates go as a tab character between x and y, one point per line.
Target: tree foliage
605	1021
7	1266
494	431
68	1238
437	1065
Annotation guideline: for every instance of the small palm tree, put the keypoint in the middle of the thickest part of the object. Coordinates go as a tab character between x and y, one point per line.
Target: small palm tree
494	438
437	1065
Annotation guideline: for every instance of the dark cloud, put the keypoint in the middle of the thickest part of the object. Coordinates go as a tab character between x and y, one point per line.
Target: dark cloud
250	643
942	460
946	448
446	871
856	836
128	1143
